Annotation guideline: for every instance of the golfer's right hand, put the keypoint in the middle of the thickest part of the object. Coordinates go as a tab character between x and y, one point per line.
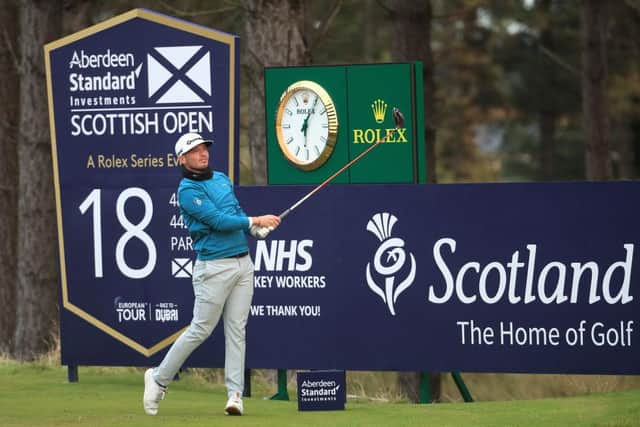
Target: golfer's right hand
259	232
270	221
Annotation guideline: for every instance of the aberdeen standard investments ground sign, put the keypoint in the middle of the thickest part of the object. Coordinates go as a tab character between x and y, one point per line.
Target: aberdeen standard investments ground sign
120	94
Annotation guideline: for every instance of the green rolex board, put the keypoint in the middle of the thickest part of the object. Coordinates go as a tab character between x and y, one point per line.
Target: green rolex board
363	97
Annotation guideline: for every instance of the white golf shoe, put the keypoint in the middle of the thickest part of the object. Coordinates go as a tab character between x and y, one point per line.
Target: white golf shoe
234	404
153	393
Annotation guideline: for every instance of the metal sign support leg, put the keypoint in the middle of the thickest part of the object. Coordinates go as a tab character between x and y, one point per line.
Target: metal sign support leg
282	393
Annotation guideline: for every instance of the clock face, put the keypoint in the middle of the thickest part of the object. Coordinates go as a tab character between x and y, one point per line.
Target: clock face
306	125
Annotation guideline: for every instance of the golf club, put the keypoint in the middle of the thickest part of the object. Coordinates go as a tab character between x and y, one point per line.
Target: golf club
398	119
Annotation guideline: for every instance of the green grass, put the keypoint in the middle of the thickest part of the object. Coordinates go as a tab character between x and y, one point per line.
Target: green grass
37	395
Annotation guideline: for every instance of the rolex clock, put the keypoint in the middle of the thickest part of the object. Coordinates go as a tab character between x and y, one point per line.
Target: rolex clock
306	125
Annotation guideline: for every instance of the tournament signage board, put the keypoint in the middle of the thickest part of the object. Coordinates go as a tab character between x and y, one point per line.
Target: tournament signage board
120	94
539	278
533	278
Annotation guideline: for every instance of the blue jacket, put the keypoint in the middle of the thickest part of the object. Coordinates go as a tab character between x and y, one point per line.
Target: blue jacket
215	220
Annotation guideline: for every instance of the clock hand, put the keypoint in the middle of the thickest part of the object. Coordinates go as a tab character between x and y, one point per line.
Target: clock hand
305	125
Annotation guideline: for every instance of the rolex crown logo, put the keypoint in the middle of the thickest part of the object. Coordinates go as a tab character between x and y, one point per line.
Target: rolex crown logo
305	98
379	108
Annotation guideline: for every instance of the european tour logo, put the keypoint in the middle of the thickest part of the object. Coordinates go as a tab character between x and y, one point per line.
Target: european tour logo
388	260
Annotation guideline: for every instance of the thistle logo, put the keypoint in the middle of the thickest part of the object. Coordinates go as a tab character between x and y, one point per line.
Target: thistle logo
392	250
379	108
179	74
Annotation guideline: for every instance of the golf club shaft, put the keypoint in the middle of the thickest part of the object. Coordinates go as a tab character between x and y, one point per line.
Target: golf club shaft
332	177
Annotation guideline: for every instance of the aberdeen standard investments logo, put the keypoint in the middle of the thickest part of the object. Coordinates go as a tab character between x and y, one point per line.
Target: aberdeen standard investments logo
107	97
388	260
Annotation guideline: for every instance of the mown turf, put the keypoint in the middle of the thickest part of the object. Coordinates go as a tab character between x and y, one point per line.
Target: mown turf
33	395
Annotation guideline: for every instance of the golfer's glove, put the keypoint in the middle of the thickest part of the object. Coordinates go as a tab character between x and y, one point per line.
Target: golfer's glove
259	232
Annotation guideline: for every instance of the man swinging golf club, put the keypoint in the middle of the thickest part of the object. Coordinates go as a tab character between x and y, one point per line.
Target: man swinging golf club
222	273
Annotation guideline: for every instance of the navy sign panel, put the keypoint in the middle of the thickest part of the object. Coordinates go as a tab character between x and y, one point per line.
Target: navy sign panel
539	278
120	94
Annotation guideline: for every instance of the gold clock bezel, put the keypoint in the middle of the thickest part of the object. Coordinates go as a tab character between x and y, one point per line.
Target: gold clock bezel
332	120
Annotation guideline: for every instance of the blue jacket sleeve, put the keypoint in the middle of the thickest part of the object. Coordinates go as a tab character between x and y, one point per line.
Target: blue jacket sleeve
195	202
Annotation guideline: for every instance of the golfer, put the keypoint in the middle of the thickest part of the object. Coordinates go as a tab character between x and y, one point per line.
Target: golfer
222	273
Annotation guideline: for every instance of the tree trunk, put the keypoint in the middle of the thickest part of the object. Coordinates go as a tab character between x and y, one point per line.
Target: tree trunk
429	101
370	32
623	155
274	38
412	42
548	114
8	174
37	292
547	126
594	81
77	15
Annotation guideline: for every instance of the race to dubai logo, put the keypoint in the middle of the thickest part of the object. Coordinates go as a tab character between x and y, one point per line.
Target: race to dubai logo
388	260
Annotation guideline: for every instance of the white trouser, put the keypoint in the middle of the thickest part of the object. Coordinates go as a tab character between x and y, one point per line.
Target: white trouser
221	287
